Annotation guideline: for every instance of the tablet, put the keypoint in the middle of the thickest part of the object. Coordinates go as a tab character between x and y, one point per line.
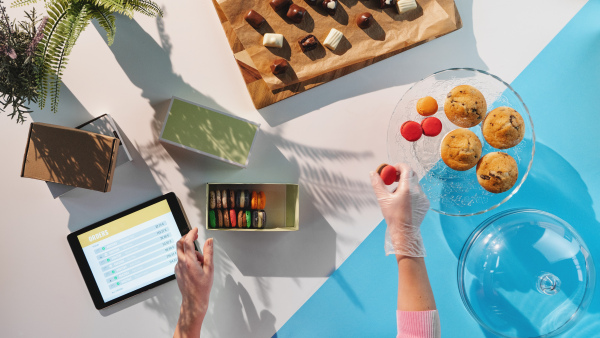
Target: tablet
130	252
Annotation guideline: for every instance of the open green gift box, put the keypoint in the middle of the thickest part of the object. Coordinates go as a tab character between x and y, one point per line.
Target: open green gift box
209	132
281	205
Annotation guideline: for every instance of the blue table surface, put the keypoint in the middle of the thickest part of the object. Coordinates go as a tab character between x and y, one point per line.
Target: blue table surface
560	87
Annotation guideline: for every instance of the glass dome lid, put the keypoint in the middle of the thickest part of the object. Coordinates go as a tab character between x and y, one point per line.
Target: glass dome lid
525	273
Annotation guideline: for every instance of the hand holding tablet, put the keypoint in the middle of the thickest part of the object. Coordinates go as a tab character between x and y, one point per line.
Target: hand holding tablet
194	273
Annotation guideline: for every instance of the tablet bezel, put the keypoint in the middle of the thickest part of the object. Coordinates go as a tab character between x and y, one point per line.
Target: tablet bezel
84	267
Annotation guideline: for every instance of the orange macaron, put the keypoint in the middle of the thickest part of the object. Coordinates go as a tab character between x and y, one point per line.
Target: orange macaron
427	106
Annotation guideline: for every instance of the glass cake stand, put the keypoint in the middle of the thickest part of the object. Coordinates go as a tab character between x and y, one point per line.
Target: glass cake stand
450	192
525	273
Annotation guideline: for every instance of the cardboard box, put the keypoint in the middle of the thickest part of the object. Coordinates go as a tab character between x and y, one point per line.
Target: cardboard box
209	132
282	205
105	125
70	156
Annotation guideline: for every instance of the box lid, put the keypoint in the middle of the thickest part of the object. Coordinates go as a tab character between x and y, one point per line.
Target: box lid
216	134
105	125
70	156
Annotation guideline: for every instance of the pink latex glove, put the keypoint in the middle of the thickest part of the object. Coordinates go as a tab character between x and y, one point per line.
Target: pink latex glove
403	210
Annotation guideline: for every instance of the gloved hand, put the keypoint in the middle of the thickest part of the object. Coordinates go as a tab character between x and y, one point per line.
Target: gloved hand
403	210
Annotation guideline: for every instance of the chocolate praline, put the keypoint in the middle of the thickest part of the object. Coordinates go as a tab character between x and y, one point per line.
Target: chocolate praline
296	13
279	66
386	3
364	20
279	5
330	6
254	19
308	43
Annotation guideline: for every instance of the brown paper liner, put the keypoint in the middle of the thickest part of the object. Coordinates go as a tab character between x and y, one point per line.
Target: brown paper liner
390	32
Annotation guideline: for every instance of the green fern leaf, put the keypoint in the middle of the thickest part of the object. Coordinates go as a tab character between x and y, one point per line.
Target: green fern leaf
20	3
106	21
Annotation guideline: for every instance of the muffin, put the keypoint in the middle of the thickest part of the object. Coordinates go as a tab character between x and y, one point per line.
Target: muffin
461	149
503	128
497	172
465	106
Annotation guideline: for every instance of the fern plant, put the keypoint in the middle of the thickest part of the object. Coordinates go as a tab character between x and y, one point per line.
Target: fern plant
67	19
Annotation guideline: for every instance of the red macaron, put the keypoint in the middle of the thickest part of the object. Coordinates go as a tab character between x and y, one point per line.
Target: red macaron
432	126
388	173
411	131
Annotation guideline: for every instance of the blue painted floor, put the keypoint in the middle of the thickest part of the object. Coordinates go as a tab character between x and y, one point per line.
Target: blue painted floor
561	88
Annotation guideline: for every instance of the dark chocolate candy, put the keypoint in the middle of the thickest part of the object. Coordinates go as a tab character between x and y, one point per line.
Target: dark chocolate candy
296	13
330	6
279	66
308	43
279	5
255	219
364	20
254	19
313	2
247	197
386	3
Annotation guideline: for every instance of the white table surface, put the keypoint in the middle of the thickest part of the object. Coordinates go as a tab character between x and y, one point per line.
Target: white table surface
326	139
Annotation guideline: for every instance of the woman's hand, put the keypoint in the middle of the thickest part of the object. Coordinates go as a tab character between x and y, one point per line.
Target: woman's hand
403	210
194	272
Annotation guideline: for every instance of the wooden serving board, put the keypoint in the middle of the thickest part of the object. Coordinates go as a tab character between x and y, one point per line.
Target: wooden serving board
260	93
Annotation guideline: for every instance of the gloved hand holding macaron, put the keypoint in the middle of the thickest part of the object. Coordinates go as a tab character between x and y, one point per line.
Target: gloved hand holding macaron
403	210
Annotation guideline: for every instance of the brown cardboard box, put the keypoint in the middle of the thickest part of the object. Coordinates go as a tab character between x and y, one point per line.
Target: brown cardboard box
70	156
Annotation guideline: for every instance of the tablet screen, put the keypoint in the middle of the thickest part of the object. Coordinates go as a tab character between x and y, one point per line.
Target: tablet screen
132	251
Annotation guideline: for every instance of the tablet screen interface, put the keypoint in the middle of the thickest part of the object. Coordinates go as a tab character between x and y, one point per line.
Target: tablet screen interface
132	251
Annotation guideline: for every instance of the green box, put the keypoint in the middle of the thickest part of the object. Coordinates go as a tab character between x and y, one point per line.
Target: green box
209	132
282	205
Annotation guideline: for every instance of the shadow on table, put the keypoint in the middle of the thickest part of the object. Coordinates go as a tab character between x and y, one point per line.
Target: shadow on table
458	49
234	304
309	252
133	182
554	186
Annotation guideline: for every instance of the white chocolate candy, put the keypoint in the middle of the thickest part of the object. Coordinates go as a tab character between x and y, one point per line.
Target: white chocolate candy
331	5
273	40
333	39
406	5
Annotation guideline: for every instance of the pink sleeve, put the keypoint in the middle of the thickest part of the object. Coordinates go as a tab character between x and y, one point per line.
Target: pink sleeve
418	324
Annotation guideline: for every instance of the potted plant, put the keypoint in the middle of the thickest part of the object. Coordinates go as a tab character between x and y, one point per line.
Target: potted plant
20	66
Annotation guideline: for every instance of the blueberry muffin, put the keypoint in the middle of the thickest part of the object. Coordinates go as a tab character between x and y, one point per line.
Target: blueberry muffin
461	149
497	172
503	128
465	106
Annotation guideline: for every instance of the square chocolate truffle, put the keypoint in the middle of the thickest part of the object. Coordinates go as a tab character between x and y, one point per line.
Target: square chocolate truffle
279	5
308	43
254	19
279	66
296	13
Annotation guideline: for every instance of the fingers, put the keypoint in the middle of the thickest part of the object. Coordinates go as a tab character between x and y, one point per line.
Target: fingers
378	185
208	256
406	175
188	243
404	170
180	252
199	257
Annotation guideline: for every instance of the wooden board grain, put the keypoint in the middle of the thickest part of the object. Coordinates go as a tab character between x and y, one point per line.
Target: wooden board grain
260	93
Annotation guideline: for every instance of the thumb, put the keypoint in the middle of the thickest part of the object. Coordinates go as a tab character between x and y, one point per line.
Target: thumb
378	185
208	256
